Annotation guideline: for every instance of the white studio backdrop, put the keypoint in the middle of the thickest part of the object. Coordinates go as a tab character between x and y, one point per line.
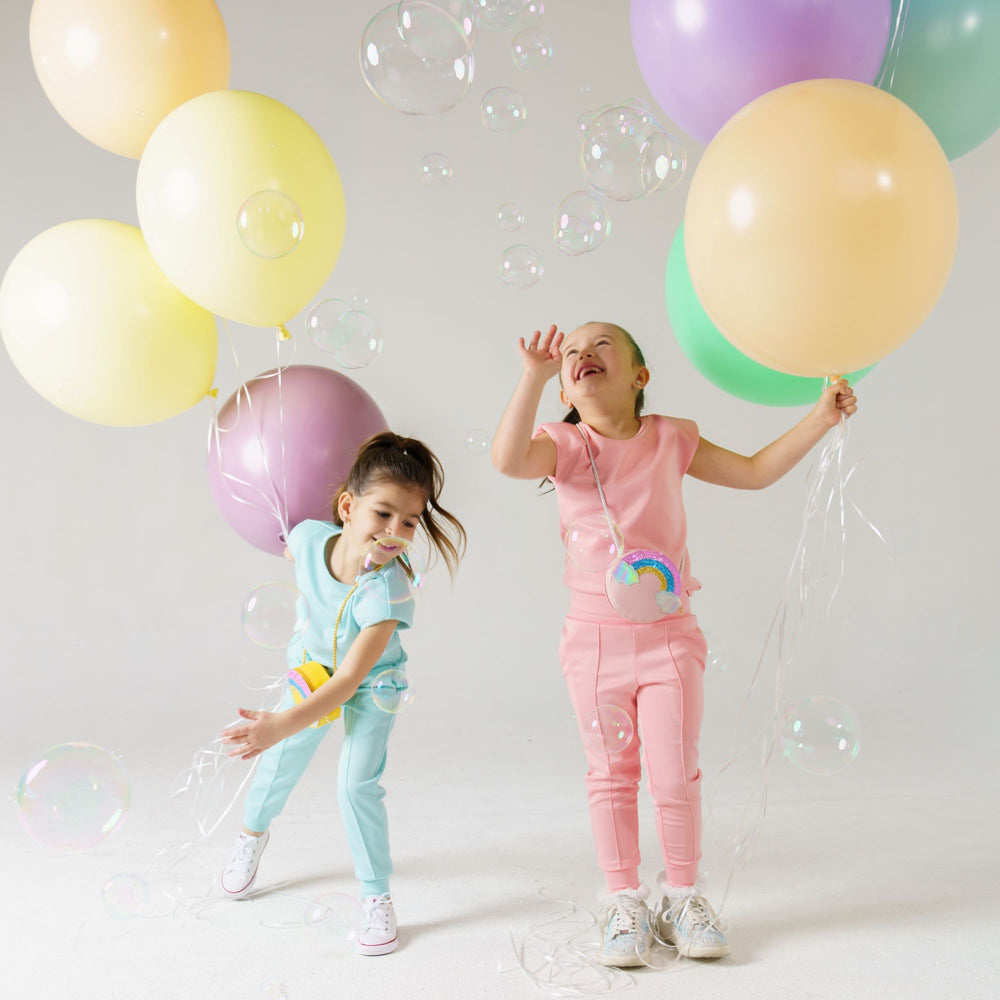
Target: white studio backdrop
122	585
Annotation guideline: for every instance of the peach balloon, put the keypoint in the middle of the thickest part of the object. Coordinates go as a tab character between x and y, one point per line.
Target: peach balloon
113	69
821	225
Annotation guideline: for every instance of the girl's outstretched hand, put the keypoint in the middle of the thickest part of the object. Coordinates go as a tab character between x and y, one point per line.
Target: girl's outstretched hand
263	730
541	354
838	400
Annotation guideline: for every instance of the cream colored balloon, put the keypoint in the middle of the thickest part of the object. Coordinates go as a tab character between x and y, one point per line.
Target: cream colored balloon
821	225
114	69
93	325
206	159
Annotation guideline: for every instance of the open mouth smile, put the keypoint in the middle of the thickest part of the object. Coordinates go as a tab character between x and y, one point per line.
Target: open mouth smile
585	370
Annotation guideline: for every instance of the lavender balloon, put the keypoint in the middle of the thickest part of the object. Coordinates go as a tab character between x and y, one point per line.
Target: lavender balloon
282	448
703	60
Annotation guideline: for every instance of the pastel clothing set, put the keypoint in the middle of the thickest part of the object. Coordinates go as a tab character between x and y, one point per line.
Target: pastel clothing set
654	671
366	726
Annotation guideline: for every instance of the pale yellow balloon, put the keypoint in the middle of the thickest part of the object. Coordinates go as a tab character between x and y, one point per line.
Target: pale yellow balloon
200	166
93	325
115	68
821	226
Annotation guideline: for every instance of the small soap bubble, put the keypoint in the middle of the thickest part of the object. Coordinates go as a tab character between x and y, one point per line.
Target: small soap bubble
593	542
68	387
502	110
820	735
477	441
531	49
270	224
125	896
274	614
352	336
435	170
273	989
382	583
73	797
581	224
520	266
391	691
360	302
608	728
333	923
510	216
717	656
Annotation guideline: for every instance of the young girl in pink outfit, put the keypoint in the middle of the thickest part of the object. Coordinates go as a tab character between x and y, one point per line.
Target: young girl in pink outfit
629	639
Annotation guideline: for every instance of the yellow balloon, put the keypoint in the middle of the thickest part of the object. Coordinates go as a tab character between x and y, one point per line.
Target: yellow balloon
821	225
197	172
115	68
93	325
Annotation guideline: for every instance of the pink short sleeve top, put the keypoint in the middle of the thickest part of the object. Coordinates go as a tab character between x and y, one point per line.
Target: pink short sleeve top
641	477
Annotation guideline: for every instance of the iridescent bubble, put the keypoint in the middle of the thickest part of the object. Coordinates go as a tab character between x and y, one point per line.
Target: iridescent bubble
73	797
273	989
502	110
510	216
477	441
68	387
626	154
608	728
403	79
581	224
360	302
520	266
274	614
430	31
593	543
270	224
435	170
333	923
352	336
511	13
820	735
125	896
718	650
464	12
391	691
378	584
531	49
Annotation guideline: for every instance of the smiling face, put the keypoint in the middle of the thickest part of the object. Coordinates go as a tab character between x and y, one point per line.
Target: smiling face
599	361
388	514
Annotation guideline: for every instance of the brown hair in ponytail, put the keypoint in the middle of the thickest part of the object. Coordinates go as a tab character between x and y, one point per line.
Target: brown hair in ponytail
408	462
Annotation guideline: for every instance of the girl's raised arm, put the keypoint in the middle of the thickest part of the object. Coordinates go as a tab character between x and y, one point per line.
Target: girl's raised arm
515	452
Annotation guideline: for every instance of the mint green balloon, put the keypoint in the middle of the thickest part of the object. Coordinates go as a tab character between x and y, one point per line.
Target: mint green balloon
943	60
721	363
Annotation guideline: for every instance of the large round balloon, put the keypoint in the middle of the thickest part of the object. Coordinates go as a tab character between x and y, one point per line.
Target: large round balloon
821	226
284	444
705	59
114	70
211	163
945	63
716	358
93	325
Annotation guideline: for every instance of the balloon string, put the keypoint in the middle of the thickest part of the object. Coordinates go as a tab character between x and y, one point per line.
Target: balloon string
892	53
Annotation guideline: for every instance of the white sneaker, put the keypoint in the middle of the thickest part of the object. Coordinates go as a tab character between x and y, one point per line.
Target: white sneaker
690	924
625	934
241	870
379	934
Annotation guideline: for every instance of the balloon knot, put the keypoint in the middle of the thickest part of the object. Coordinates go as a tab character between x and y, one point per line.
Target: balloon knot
283	333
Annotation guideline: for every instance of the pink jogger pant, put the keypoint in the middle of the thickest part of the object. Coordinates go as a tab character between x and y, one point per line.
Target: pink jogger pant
655	673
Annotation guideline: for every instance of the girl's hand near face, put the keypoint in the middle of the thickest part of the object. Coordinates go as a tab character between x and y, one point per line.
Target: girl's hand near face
541	354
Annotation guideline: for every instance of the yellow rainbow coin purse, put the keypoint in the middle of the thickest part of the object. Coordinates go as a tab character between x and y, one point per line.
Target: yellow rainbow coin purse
305	679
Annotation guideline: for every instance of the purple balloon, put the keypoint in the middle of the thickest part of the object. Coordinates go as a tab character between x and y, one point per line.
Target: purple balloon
280	455
703	60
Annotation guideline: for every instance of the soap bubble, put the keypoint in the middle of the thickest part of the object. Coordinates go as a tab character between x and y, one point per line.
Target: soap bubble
352	336
407	81
73	797
531	49
125	896
581	224
718	650
593	543
510	13
435	170
502	110
477	441
510	216
626	154
270	224
393	585
430	31
334	922
274	614
820	735
608	728
68	387
464	12
391	691
520	266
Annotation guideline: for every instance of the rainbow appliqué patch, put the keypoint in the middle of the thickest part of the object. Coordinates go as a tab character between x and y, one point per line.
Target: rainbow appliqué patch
638	562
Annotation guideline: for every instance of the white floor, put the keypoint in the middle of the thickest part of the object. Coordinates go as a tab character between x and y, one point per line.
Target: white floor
881	882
